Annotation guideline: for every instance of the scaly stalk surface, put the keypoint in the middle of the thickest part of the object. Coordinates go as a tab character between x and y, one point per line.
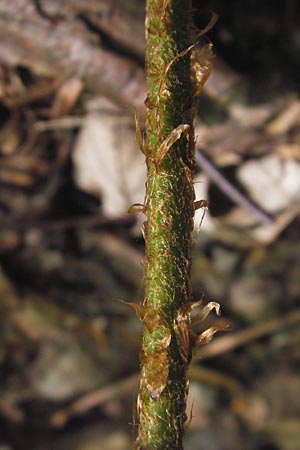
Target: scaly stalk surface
169	207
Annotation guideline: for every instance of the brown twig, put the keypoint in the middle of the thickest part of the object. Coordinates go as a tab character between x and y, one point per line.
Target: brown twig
95	399
128	386
230	342
72	222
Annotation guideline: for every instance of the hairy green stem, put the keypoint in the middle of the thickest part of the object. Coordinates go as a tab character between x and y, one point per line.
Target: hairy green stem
169	206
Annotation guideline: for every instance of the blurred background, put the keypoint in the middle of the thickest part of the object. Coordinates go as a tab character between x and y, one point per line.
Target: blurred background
70	75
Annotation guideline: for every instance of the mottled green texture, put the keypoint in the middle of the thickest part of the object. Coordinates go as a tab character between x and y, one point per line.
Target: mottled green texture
170	211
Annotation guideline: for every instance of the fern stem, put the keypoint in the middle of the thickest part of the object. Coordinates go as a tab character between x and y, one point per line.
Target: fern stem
169	206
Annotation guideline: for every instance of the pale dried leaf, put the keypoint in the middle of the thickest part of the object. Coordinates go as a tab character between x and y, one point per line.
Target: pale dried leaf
252	116
277	182
108	163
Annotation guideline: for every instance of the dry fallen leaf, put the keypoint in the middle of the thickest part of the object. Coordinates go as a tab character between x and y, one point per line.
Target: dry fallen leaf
107	160
272	183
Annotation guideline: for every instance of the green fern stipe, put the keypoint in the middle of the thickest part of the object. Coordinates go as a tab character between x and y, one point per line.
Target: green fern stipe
173	80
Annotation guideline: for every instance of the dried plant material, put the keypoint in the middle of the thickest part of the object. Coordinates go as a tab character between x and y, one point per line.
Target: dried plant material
64	371
267	234
287	119
203	59
155	373
66	97
212	22
228	343
205	310
183	324
22	170
162	336
136	208
107	162
223	82
10	135
182	327
139	310
201	190
252	116
63	123
229	189
183	336
289	151
32	94
227	142
201	65
123	23
165	72
153	323
277	183
168	142
200	204
206	336
155	356
11	412
138	135
70	49
94	399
